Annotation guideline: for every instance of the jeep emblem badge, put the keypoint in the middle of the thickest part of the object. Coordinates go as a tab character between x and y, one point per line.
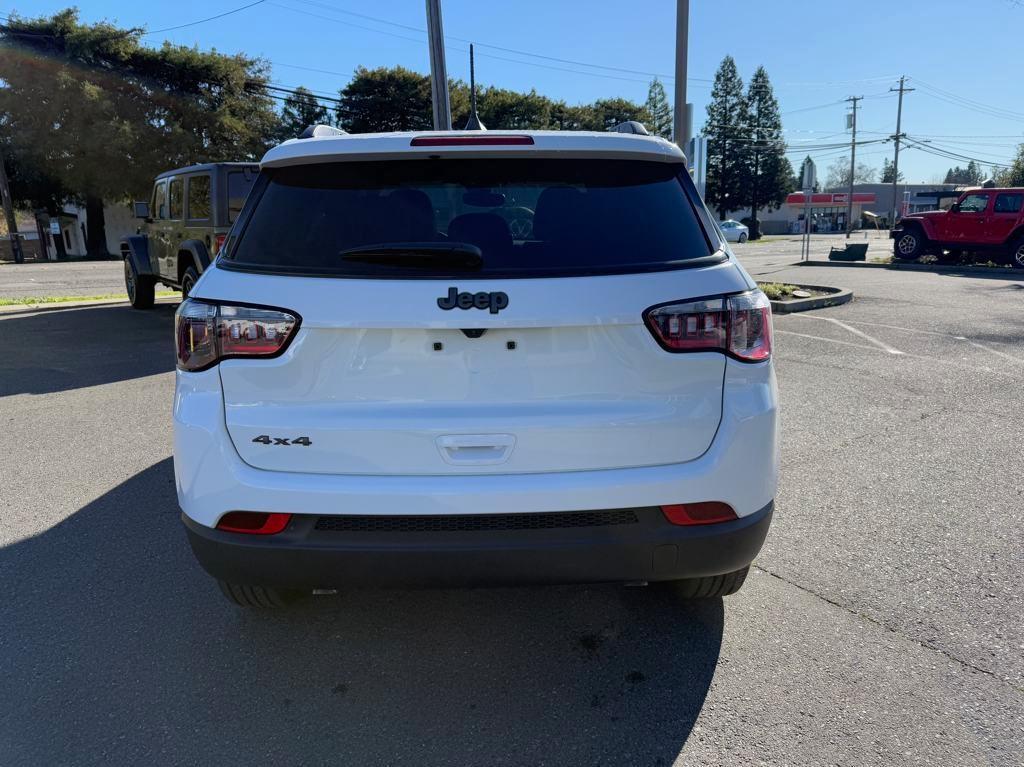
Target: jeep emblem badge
493	301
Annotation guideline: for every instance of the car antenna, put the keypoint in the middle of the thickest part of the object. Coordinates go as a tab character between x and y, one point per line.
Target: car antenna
473	123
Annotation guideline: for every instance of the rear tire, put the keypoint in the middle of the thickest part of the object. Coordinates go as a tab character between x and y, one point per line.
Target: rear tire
711	587
141	289
1017	253
910	245
258	596
188	281
743	237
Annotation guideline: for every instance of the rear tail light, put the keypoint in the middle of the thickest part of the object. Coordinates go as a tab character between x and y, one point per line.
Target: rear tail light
739	325
206	333
253	522
218	242
704	513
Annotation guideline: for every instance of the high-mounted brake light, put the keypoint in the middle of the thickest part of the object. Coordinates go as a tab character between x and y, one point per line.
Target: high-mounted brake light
704	513
739	325
472	141
253	522
205	333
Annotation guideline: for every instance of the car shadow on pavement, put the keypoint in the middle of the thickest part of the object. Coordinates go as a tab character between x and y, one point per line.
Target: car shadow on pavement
116	647
59	350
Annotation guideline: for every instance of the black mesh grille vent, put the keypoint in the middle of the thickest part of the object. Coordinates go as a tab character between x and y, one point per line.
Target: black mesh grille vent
475	522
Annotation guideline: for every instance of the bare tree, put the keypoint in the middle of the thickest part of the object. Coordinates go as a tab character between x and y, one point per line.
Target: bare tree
839	174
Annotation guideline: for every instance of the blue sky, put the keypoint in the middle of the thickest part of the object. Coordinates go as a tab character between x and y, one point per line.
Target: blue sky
959	55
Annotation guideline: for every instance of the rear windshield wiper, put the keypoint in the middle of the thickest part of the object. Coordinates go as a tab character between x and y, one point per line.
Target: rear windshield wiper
418	255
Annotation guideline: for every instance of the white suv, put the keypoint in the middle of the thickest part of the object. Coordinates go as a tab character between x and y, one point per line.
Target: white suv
474	358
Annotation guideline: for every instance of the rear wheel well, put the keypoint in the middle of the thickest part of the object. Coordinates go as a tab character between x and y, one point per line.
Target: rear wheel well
1015	235
185	260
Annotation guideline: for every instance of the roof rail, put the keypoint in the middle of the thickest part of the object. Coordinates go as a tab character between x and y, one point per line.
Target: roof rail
631	126
319	131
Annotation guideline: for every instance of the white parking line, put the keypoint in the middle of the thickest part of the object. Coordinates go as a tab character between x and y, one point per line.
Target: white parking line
823	338
861	334
996	352
1002	372
976	344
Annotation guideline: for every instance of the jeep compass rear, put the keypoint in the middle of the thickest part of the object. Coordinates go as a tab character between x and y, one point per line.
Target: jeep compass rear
474	358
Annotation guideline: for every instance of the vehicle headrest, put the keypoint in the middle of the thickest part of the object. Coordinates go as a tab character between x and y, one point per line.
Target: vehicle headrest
558	208
488	231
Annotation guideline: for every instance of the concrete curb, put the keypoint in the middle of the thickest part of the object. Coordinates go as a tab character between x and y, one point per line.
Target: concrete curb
836	297
941	268
52	307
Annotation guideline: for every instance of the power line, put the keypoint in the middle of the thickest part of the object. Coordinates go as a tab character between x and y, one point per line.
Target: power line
203	21
949	155
140	31
478	44
965	103
455	48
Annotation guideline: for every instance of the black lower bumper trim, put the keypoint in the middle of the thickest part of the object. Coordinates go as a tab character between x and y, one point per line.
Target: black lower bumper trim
651	549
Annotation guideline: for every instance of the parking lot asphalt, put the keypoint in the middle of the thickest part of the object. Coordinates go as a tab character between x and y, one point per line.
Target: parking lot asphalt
881	625
61	278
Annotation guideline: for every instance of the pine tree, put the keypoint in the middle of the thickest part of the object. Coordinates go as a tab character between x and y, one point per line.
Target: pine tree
972	175
1015	176
385	99
661	112
767	170
300	110
728	138
888	170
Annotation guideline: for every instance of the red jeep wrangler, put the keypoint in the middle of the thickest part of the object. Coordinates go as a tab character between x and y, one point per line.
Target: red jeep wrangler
990	220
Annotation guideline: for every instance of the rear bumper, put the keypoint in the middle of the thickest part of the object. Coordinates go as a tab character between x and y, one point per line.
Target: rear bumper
739	468
647	549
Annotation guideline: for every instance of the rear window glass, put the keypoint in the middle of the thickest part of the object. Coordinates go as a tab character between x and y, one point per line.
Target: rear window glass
199	197
1008	203
239	184
524	217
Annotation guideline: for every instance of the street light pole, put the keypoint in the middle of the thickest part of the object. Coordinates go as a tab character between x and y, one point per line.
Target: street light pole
438	70
681	123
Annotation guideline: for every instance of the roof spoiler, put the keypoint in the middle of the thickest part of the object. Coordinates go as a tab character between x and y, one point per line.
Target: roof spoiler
320	131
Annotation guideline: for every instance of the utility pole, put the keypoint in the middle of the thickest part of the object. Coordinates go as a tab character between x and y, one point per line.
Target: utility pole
12	224
853	165
438	71
681	126
896	156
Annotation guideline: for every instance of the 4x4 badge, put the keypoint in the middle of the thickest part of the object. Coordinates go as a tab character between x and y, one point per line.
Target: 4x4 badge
493	301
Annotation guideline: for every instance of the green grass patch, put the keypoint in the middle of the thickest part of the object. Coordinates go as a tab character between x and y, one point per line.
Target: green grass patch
37	300
777	291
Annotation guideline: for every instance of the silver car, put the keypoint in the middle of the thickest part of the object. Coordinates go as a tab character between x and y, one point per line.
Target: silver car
734	231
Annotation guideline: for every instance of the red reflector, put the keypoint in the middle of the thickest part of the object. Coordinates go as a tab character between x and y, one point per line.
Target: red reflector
472	141
253	522
705	513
